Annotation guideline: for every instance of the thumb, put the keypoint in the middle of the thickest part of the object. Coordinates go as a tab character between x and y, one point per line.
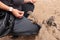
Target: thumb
21	12
34	0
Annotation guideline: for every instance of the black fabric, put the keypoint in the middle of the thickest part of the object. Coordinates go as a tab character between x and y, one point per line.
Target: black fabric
16	26
18	2
27	7
25	27
15	4
5	25
5	2
14	1
21	26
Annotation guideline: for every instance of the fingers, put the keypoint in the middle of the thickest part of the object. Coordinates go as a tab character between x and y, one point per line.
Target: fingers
33	1
17	13
21	13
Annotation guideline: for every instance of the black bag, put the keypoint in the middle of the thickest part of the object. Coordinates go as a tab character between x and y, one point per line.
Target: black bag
10	24
24	27
5	23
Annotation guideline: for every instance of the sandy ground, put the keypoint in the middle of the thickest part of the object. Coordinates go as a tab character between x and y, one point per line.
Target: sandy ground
48	10
45	10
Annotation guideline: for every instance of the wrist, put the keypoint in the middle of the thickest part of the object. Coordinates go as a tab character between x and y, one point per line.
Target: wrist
10	9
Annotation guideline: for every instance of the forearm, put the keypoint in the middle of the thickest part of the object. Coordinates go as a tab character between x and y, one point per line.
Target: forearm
3	6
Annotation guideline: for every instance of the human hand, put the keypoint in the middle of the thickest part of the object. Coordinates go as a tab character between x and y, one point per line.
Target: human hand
33	1
17	13
27	1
